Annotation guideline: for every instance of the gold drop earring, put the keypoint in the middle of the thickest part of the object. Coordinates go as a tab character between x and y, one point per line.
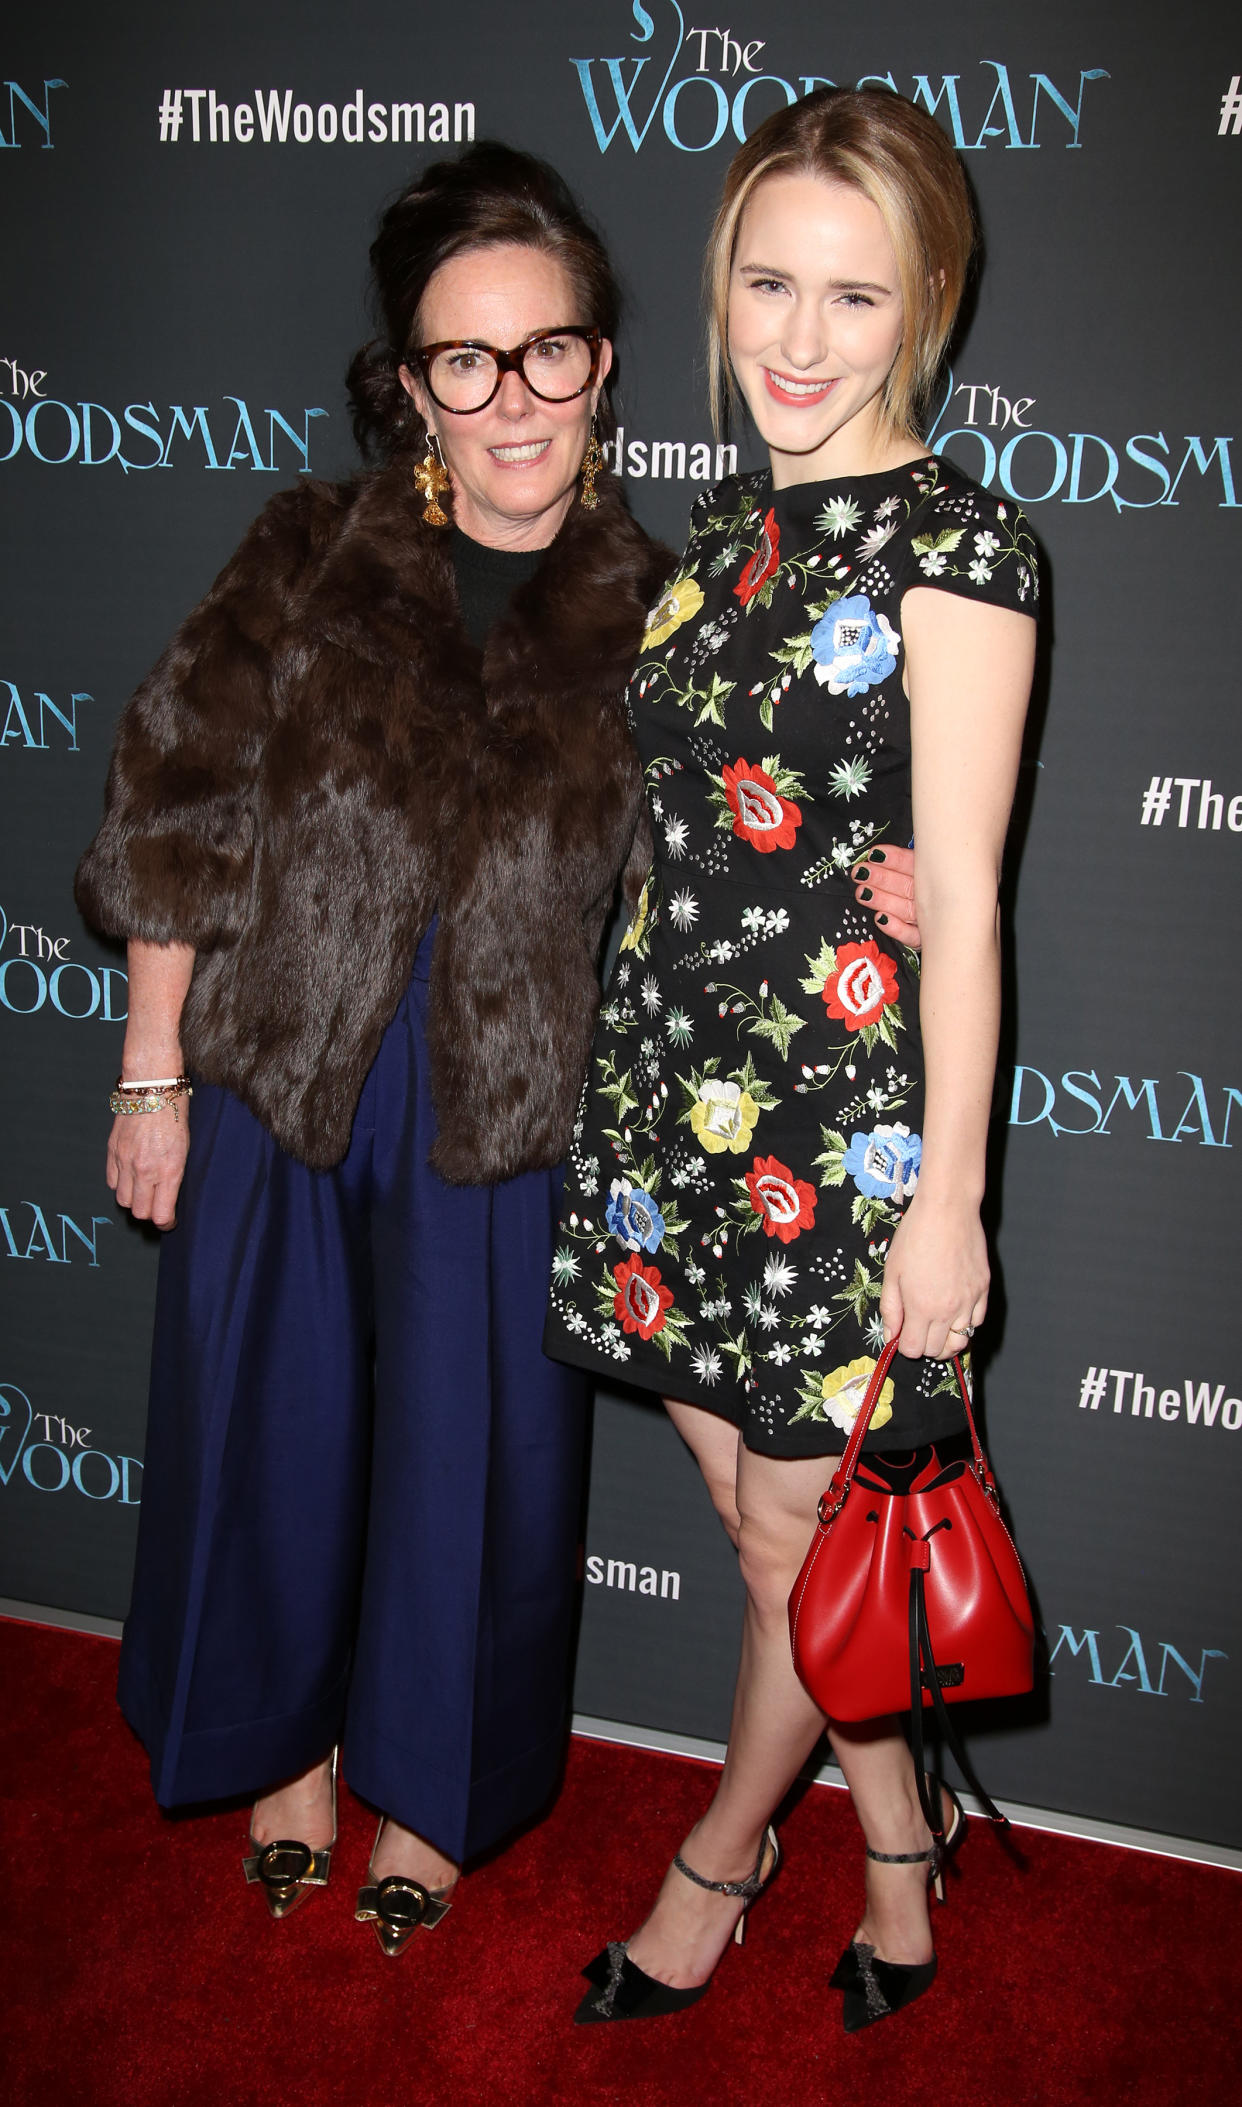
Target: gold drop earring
431	477
592	462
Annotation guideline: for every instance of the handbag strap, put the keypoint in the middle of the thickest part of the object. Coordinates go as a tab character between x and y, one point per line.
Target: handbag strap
832	1501
923	1676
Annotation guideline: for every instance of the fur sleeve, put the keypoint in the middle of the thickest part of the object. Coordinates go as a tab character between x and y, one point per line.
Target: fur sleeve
171	862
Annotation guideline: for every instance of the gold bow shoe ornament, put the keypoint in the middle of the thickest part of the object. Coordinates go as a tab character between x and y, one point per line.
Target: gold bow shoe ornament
288	1870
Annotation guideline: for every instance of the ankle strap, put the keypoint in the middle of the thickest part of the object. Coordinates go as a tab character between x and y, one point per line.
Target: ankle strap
904	1858
746	1889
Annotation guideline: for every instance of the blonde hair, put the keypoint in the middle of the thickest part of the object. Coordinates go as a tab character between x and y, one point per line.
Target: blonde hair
898	157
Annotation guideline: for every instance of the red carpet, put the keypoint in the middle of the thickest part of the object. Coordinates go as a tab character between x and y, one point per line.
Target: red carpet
140	1972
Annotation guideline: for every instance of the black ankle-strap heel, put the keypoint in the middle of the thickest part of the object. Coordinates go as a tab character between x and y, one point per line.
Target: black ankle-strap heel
624	1991
876	1989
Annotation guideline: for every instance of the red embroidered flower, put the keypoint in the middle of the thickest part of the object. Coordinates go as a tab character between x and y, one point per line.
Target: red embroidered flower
761	815
863	985
644	1301
762	563
786	1203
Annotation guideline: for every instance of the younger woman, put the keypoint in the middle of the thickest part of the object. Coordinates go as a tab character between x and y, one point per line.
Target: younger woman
781	1157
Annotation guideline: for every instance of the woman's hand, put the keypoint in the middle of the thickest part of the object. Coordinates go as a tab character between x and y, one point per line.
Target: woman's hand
935	1279
146	1161
884	885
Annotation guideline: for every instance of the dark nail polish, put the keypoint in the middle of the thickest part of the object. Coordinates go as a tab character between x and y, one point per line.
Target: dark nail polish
882	919
865	894
861	873
878	856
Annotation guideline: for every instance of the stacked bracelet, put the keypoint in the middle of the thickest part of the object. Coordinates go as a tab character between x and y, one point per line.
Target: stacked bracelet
150	1097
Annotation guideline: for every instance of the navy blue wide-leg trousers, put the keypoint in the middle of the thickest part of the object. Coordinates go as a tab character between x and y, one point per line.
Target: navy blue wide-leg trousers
361	1498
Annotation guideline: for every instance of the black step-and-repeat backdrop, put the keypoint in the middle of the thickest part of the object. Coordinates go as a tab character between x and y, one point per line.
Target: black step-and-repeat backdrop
188	199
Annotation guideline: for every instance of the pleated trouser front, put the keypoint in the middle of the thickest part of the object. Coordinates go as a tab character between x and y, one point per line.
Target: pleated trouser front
361	1497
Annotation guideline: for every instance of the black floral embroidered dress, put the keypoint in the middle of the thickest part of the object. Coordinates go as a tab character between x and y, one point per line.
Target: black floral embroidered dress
750	1126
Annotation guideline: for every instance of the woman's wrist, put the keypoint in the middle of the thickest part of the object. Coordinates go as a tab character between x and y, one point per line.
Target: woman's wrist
957	1198
148	1061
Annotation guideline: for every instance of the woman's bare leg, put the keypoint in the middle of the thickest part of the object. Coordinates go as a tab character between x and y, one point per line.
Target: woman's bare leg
302	1808
774	1727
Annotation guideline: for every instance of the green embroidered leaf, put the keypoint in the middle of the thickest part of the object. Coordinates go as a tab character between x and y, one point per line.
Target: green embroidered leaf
765	713
832	1159
779	1025
795	652
947	540
861	1290
872	1213
820	968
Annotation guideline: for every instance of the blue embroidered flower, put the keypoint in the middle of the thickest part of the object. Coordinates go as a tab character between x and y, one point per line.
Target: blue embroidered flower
854	647
633	1217
885	1163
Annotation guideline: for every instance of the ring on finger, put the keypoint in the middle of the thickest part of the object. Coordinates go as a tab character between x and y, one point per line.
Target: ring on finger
962	1331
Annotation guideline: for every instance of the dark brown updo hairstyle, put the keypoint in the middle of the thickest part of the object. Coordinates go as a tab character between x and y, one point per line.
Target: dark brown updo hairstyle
490	195
896	155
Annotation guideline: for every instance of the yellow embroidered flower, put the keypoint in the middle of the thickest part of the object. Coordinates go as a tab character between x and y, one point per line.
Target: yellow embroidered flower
638	927
844	1390
724	1117
677	603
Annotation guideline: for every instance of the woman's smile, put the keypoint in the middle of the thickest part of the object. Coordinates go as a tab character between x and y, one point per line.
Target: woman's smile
519	456
783	388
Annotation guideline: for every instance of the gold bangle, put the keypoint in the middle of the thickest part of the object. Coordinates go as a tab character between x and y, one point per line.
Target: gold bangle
122	1102
168	1082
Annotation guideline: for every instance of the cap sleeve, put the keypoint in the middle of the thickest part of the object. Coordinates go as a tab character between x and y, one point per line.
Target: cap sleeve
965	541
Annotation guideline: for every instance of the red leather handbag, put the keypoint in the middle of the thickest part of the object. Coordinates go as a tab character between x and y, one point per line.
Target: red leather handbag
911	1593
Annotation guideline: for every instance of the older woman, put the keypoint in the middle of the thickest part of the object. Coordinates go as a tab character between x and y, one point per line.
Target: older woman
364	823
789	1119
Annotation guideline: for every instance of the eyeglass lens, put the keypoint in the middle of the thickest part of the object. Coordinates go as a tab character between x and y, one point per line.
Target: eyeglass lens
553	367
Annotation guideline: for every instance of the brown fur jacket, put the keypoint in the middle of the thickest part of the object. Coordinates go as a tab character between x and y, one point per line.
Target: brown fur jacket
321	761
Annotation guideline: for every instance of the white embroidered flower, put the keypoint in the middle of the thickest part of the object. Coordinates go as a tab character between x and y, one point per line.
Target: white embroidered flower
875	1331
850	777
676	835
679	1028
752	1300
778	1353
980	571
657	807
753	920
817	1314
565	1266
767	1317
683	910
933	563
653	1001
812	1344
838	517
873	541
706	1364
779	1276
721	951
987	544
623	973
